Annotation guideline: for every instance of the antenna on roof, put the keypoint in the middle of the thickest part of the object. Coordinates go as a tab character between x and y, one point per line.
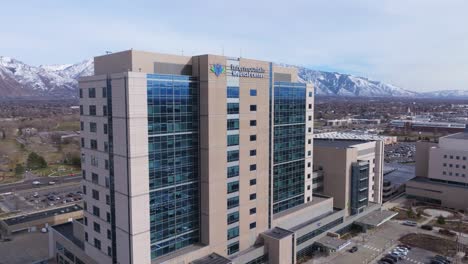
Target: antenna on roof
108	52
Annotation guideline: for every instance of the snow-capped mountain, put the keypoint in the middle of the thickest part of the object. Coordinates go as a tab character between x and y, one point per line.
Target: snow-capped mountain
459	94
337	84
18	79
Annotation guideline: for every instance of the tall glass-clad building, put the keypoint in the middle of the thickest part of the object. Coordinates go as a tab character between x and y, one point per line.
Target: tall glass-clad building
203	159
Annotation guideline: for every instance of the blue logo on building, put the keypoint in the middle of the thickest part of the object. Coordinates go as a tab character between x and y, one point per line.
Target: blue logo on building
217	69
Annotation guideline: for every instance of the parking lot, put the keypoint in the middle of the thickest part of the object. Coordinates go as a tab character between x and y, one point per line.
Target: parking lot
372	246
41	198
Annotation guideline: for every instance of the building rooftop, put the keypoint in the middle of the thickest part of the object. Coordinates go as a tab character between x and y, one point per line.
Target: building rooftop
376	218
441	182
333	242
461	135
66	230
278	233
38	215
351	136
336	143
398	173
212	259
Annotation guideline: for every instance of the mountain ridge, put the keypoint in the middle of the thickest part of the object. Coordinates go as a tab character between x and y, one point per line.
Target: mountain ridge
20	80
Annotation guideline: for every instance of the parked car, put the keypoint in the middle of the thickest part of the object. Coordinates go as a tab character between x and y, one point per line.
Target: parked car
36	182
410	223
427	227
391	257
353	249
447	232
442	259
389	260
51	183
405	246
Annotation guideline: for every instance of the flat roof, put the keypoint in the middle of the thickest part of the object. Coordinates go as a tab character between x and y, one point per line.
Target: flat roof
43	214
461	135
66	230
278	233
376	218
337	143
333	242
441	182
398	173
351	136
212	259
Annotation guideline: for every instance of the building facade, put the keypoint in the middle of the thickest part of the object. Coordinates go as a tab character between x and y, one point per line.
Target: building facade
351	171
441	172
196	159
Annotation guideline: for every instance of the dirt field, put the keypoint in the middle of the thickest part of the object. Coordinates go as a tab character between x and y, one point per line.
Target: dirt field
432	243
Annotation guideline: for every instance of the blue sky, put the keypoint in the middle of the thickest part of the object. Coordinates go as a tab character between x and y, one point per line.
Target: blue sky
416	44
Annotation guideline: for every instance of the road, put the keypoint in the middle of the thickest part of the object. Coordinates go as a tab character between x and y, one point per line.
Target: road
27	184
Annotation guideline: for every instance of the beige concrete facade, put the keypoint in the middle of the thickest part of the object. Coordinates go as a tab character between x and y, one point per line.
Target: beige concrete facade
334	158
442	172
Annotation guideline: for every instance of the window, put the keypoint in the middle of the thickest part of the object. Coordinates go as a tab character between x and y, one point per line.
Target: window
92	127
253	92
309	141
108	217
308	164
451	157
94	161
109	234
233	218
86	221
93	143
444	173
81	93
445	164
253	211
253	137
104	92
308	187
309	153
232	187
81	110
83	173
95	178
233	248
96	211
253	225
253	152
233	202
107	181
81	125
84	189
253	123
310	106
92	110
309	130
97	227
308	176
82	143
253	182
106	164
253	167
311	94
457	157
97	243
232	171
95	194
104	110
92	92
232	92
310	118
233	232
233	124
233	108
253	196
86	236
253	108
233	140
107	199
233	155
105	129
106	146
109	251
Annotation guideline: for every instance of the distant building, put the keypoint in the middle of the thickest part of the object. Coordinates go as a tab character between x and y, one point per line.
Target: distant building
352	121
442	172
394	180
426	126
352	171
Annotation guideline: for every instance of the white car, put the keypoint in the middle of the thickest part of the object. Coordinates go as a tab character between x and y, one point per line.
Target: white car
36	182
51	183
400	252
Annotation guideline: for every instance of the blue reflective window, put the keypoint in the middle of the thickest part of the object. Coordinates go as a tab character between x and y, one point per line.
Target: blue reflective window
233	202
233	155
233	124
233	92
233	232
253	92
233	187
232	108
233	171
233	140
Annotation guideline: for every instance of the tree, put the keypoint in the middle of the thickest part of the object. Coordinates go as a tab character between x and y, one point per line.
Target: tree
19	169
441	220
35	161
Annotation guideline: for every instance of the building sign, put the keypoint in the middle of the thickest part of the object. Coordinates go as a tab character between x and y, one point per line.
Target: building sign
217	69
239	71
250	72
